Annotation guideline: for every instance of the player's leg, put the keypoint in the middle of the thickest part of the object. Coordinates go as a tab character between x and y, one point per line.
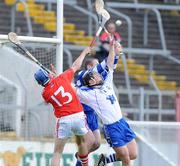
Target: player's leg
80	129
119	135
122	154
93	137
132	148
92	121
82	150
126	141
63	132
90	140
58	149
97	142
92	144
130	140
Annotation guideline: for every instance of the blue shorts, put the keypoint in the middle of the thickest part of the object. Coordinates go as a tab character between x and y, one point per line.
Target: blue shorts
119	133
92	121
92	118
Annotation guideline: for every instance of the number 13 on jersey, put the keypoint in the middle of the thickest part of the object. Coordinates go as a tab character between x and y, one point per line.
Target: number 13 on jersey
60	94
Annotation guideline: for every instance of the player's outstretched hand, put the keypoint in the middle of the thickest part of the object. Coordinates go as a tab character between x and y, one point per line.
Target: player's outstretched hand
78	62
87	50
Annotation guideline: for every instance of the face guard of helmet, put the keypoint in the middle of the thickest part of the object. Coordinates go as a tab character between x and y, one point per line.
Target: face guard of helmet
42	77
92	79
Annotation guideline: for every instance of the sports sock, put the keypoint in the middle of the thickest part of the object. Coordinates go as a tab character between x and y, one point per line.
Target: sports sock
111	158
83	159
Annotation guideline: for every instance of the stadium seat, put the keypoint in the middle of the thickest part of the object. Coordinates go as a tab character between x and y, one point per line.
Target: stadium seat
69	26
74	32
175	13
48	20
166	85
83	43
77	39
141	74
20	7
159	77
142	78
10	2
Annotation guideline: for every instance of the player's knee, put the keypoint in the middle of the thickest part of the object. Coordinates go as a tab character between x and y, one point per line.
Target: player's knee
133	153
80	140
96	145
81	144
58	150
133	156
97	142
124	158
122	155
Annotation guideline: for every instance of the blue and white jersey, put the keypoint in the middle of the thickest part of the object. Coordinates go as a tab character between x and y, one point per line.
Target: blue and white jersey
103	100
99	68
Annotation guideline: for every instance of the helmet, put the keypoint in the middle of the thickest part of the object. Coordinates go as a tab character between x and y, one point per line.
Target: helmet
42	77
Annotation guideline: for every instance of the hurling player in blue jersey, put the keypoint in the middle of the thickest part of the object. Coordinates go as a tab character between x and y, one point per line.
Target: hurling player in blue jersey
100	96
92	64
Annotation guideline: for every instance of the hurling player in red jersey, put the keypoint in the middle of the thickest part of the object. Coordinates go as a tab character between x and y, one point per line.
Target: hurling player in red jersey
67	109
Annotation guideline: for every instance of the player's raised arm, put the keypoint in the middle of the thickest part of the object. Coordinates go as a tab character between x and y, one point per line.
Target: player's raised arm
118	51
118	48
110	59
78	62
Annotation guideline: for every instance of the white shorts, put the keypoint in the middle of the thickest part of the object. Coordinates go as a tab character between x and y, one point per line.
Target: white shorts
75	124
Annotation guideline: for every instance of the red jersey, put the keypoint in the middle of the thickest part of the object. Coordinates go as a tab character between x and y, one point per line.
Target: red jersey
61	95
105	36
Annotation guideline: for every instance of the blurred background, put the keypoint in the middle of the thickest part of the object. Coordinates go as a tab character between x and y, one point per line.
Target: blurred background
146	80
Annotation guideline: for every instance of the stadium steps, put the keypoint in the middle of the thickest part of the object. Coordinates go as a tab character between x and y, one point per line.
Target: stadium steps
9	2
48	20
162	65
141	74
20	23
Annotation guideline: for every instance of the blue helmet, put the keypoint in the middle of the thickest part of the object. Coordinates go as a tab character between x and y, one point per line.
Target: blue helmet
42	77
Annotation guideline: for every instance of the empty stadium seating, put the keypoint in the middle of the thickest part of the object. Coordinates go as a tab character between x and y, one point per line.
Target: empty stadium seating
48	19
